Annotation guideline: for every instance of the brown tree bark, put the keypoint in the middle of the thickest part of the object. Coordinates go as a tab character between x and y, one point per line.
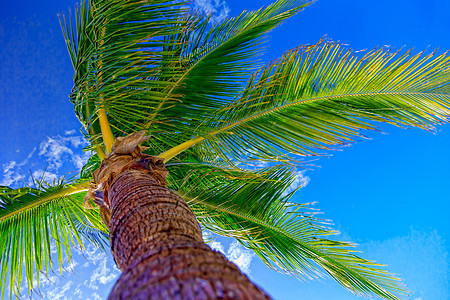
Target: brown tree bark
155	238
157	243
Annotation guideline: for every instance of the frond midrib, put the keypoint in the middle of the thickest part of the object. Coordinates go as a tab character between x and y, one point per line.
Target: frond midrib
169	154
67	191
299	102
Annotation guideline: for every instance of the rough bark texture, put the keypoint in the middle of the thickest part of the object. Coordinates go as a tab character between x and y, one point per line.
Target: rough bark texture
157	243
155	238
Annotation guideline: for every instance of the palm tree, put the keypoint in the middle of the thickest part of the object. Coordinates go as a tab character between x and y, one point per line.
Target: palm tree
157	74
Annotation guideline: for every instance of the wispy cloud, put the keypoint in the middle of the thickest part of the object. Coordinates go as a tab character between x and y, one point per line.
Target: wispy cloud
95	296
78	292
218	8
79	280
69	132
103	274
60	292
58	149
61	153
12	170
92	255
420	258
301	180
54	150
105	270
80	160
13	164
47	281
10	178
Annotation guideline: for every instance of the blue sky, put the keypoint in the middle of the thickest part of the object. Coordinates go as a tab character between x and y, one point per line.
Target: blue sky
389	194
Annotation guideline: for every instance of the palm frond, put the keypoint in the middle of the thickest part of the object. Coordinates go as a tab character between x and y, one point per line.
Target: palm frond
117	48
31	219
216	62
148	64
253	207
323	96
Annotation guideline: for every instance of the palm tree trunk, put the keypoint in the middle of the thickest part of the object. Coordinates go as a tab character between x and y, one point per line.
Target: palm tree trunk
157	243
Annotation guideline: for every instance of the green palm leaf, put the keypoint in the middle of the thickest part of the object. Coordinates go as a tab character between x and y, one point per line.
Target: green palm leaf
158	67
216	62
32	219
253	207
147	65
322	96
121	59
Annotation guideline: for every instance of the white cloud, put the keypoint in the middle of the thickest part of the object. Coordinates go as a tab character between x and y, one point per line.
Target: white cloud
102	274
78	291
10	178
261	164
12	173
44	175
240	256
60	153
46	281
218	8
13	164
236	253
60	292
300	181
53	249
54	150
217	246
420	258
208	237
92	255
69	132
58	149
95	296
76	141
8	166
80	161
